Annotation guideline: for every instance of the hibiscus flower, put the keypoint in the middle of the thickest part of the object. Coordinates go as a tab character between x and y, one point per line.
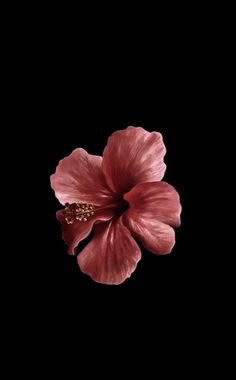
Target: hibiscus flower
121	197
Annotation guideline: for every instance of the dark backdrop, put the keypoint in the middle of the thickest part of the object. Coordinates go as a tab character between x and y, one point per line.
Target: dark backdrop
74	93
81	99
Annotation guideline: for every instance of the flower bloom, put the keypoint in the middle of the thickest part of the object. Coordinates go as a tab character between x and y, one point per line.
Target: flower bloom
122	197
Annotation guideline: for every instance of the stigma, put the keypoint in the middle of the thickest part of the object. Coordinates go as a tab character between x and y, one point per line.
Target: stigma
78	211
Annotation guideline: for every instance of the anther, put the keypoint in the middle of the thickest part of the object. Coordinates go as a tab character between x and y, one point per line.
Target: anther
78	210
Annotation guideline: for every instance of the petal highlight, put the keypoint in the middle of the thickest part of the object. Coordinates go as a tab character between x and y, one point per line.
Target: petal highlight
133	156
112	255
79	177
154	208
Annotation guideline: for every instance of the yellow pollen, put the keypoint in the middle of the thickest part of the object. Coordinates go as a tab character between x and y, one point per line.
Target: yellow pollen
78	211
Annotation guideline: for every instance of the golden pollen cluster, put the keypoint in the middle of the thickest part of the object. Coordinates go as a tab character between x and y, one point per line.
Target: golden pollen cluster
79	210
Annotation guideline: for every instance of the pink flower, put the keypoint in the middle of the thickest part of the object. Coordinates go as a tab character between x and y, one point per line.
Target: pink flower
119	195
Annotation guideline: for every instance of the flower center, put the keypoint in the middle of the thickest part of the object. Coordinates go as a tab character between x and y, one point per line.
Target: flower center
124	206
79	210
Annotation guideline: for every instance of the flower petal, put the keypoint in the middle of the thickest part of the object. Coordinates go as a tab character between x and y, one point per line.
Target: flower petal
157	200
112	255
133	156
79	177
74	233
154	208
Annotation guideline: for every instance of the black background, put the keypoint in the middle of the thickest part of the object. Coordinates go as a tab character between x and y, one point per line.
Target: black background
73	86
77	96
85	95
77	99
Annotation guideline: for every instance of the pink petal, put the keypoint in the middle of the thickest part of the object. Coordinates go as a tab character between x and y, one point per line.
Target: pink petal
74	233
112	255
155	199
154	207
133	156
79	177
